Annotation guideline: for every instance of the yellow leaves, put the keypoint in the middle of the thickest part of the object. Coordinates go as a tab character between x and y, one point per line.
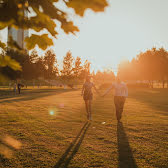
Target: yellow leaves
42	20
7	61
43	41
45	15
5	24
69	27
81	5
2	45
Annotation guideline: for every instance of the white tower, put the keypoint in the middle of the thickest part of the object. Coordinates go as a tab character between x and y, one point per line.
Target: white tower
19	35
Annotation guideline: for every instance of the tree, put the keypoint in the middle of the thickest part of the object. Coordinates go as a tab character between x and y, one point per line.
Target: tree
42	16
17	56
151	65
107	76
7	62
28	68
87	66
67	65
78	67
33	56
50	61
40	68
162	65
85	70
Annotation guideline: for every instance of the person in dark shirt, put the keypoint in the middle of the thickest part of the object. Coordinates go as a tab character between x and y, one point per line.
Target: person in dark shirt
19	86
88	95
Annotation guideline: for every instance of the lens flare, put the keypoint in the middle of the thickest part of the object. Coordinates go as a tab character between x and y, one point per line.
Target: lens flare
52	112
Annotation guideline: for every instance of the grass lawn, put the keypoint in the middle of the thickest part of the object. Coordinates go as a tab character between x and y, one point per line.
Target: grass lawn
48	128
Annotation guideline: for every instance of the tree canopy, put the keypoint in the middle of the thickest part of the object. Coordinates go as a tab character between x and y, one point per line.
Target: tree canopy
42	16
151	65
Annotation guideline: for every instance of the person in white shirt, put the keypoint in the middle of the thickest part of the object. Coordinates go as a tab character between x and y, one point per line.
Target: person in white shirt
120	94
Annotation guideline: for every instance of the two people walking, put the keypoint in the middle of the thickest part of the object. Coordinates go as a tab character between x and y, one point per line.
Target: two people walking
120	95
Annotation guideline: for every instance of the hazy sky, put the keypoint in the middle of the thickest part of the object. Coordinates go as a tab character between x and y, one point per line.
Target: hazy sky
121	32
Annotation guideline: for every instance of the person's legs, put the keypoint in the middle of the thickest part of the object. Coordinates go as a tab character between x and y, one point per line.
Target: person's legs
122	102
90	109
18	90
87	108
117	106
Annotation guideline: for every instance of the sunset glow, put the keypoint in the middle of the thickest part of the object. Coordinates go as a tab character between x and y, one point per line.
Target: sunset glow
124	30
83	83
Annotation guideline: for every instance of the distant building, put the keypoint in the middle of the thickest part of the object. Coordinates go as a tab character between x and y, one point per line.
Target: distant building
19	35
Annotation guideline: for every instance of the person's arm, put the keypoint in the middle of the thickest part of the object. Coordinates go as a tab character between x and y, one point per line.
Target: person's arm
108	90
126	91
96	89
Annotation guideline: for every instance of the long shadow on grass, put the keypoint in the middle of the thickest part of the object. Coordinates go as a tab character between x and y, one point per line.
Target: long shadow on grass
125	159
4	162
7	150
66	158
33	95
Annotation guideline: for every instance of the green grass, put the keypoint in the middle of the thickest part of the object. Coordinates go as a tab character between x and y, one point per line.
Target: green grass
31	137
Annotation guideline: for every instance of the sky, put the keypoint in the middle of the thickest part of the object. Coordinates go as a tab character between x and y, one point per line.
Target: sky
126	28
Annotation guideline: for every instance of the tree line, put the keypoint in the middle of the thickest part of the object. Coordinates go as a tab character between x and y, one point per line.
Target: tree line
46	67
150	66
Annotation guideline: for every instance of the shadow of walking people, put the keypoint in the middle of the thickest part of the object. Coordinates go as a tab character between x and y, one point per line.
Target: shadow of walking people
64	161
125	159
